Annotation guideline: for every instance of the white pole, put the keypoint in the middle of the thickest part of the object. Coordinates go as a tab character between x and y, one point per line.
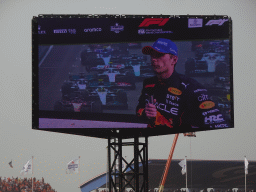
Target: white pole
191	163
245	174
79	170
107	171
32	174
125	172
245	182
114	167
186	174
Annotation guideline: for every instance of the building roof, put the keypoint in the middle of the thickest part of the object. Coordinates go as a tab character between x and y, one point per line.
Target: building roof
97	181
200	174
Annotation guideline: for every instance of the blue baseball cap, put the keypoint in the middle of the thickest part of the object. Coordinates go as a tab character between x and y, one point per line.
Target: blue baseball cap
162	46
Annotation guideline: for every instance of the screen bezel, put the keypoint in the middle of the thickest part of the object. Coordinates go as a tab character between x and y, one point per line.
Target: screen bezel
124	118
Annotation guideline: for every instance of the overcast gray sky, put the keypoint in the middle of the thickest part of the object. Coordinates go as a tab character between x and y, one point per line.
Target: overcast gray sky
52	151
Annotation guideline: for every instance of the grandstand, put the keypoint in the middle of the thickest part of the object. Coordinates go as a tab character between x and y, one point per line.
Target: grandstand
202	176
24	185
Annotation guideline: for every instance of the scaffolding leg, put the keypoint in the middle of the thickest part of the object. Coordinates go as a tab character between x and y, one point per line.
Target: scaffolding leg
132	175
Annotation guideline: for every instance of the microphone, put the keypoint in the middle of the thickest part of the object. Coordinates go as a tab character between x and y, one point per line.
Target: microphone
151	99
152	120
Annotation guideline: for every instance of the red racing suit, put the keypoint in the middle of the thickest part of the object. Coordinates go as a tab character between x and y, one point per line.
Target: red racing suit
180	102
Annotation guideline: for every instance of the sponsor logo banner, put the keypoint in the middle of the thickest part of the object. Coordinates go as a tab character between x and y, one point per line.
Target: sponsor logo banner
60	31
211	111
41	31
174	91
154	21
152	31
171	103
203	97
216	22
213	119
207	105
90	30
167	108
71	31
117	28
173	98
221	126
198	90
194	23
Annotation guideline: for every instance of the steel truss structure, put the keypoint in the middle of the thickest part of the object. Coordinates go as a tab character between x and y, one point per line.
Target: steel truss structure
133	174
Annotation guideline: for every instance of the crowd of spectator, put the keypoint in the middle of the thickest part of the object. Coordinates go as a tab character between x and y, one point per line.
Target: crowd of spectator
24	185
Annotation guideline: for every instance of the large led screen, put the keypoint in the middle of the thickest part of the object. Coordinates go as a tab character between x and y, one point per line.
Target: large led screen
109	68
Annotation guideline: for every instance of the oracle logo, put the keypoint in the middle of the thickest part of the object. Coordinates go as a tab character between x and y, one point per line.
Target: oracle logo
92	30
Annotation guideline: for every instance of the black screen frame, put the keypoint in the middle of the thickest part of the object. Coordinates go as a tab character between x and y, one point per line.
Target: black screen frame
99	132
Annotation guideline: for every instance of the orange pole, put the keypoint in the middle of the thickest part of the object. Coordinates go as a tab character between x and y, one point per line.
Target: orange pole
168	163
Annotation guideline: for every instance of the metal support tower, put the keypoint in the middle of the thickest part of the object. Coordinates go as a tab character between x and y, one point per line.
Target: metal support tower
133	174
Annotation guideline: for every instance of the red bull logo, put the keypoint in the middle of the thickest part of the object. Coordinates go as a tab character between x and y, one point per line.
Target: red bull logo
161	120
150	85
174	91
207	105
140	111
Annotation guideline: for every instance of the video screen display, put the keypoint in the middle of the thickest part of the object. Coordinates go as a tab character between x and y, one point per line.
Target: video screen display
100	69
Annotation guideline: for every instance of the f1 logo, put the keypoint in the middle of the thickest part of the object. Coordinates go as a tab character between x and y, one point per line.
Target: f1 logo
216	22
154	21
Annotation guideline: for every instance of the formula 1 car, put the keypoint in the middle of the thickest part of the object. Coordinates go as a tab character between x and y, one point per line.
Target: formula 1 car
75	96
195	67
111	98
146	72
134	45
119	78
75	83
211	63
75	103
211	58
102	68
82	95
90	59
126	82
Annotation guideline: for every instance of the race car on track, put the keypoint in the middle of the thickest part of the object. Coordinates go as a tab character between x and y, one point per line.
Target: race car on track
146	72
75	96
77	102
101	68
120	78
126	82
211	58
110	96
210	63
